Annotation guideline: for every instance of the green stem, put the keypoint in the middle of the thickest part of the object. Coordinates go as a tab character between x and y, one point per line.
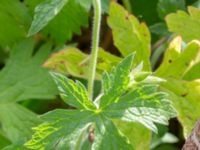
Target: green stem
95	46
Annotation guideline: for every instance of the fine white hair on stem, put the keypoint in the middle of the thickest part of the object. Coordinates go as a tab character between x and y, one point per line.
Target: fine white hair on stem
95	46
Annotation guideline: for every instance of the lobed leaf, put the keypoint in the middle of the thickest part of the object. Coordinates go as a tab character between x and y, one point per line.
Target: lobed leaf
17	122
63	19
107	136
177	58
139	141
117	80
64	128
61	130
182	84
22	78
75	94
185	98
143	104
186	25
129	35
44	13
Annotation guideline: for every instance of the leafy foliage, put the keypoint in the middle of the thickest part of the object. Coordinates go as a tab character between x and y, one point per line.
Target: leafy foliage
186	25
21	79
14	20
17	121
16	79
130	102
127	29
55	16
138	105
44	13
169	6
71	61
181	83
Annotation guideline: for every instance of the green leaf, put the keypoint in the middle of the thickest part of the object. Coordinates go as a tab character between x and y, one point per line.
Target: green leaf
186	25
118	81
22	78
75	94
138	135
193	73
71	61
61	129
64	128
174	59
67	21
185	97
143	104
3	141
159	29
44	13
17	146
17	122
107	136
183	83
165	7
15	19
129	35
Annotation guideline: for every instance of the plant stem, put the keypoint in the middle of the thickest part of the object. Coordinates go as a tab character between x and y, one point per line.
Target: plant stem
95	46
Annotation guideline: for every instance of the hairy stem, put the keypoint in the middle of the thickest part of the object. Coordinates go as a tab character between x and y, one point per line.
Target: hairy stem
95	45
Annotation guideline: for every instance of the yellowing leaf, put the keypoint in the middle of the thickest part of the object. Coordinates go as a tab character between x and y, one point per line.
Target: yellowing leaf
185	97
129	34
180	69
177	61
186	25
72	61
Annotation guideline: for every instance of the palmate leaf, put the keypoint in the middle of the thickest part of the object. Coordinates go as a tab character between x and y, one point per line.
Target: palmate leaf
182	84
44	13
141	140
143	104
17	122
107	136
23	78
129	34
60	18
75	94
176	58
117	81
186	25
62	128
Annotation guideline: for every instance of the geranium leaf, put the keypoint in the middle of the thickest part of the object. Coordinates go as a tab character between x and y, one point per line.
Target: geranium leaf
118	81
44	13
60	130
143	104
186	25
75	94
129	35
16	78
